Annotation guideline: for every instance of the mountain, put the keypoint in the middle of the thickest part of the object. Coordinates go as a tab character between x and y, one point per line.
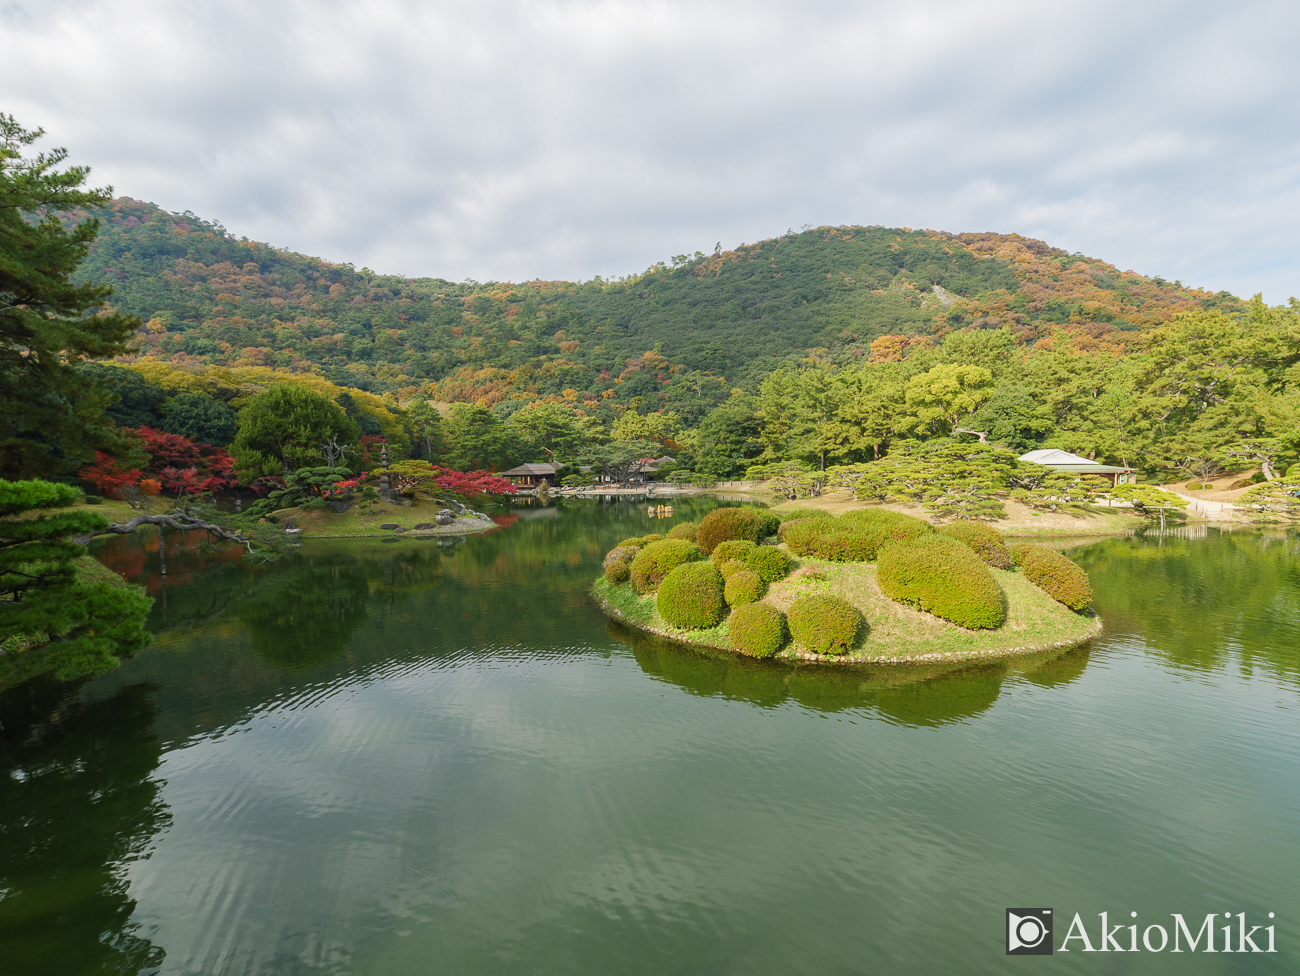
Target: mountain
727	318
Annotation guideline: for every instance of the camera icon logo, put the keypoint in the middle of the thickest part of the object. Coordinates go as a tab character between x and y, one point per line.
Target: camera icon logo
1029	931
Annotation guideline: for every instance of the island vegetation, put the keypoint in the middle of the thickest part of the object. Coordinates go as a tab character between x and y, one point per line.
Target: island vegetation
872	585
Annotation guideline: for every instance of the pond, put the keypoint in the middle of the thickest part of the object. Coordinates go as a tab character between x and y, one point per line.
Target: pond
414	757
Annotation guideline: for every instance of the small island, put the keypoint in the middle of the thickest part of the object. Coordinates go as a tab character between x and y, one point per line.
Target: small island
869	586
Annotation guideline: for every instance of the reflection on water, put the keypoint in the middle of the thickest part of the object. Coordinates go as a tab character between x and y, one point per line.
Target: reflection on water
438	756
1201	602
79	802
928	694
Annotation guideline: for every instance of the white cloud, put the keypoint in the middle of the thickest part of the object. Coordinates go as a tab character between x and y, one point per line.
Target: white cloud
507	140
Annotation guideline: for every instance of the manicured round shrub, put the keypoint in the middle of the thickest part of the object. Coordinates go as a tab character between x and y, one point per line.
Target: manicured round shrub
731	549
824	624
942	576
620	554
743	587
1056	575
635	543
683	530
770	563
722	524
783	533
658	559
984	540
617	573
768	521
690	597
757	629
731	567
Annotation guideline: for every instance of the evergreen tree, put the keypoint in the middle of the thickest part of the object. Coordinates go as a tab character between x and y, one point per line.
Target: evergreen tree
201	418
51	415
59	611
284	428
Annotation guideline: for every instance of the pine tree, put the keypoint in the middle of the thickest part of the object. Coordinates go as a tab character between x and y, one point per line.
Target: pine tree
51	415
58	610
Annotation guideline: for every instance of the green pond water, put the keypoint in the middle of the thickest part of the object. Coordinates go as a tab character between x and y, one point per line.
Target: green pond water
415	757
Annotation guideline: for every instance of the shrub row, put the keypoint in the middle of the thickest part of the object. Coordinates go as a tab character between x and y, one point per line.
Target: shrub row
1058	576
791	514
942	576
984	540
824	624
653	563
690	597
854	537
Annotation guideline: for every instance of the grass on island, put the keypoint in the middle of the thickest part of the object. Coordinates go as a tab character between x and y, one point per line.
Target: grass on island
898	632
1020	522
895	632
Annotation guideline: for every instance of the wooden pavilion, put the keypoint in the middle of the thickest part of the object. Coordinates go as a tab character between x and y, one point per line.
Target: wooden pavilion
1059	460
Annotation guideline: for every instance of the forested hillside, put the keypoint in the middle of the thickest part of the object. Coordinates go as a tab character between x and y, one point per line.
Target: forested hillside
733	315
829	347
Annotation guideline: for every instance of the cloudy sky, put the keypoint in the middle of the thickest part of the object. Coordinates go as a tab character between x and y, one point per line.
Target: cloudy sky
513	140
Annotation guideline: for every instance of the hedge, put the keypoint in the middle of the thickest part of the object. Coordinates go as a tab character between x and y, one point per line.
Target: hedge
942	576
790	514
895	525
757	629
658	559
824	624
770	563
690	597
683	530
617	573
722	524
855	537
984	540
732	549
742	587
1058	576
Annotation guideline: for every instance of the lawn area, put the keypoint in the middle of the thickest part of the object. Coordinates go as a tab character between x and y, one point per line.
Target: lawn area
895	633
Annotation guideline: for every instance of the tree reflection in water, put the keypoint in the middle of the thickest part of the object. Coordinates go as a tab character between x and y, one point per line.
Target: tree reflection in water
916	695
80	802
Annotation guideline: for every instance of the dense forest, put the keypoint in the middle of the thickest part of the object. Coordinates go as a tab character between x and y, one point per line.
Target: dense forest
819	348
730	316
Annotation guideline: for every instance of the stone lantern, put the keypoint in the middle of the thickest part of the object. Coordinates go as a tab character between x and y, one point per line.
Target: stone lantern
385	479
